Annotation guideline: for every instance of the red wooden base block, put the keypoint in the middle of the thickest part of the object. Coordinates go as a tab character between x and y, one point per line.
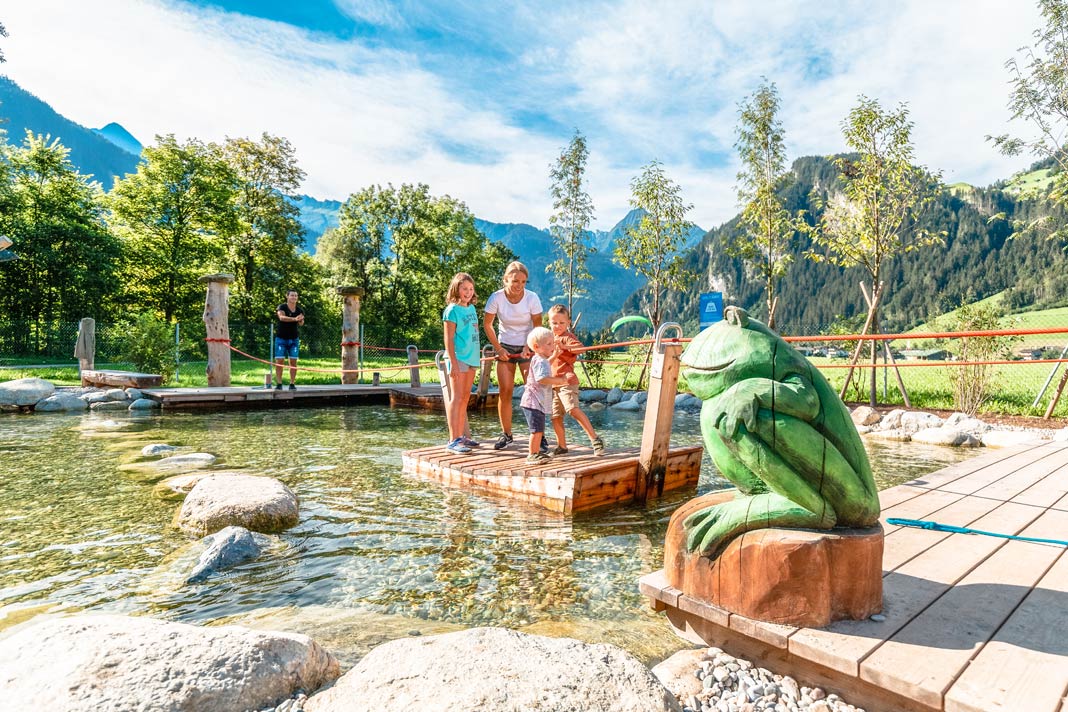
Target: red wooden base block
798	577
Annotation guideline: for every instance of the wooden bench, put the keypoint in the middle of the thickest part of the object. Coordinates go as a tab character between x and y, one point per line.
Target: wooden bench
121	379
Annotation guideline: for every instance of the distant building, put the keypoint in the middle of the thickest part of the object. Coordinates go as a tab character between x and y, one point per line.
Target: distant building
925	354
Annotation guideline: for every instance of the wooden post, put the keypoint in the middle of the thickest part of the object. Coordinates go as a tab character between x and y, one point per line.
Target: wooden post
85	346
413	359
659	413
376	379
217	328
350	333
484	372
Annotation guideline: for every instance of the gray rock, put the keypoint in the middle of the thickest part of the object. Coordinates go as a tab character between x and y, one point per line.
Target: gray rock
115	394
94	396
614	396
687	401
865	415
596	405
144	404
185	461
912	422
25	391
950	437
90	663
896	434
495	669
157	449
133	394
592	395
631	405
1008	438
224	549
109	405
179	486
61	403
892	420
640	396
262	504
676	673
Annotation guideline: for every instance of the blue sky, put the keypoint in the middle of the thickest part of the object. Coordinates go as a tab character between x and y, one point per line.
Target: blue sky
478	98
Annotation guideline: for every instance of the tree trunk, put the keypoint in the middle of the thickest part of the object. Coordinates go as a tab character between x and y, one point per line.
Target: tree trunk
350	333
217	328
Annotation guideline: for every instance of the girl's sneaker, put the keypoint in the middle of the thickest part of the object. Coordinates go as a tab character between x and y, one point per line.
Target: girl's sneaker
470	443
457	446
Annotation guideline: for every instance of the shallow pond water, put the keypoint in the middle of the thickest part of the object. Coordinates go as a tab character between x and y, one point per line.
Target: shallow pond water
377	553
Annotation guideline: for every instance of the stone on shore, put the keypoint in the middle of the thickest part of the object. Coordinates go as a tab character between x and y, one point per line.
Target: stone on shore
865	415
25	391
1008	438
61	403
688	402
629	404
614	396
261	504
109	405
948	436
677	672
90	663
495	669
144	404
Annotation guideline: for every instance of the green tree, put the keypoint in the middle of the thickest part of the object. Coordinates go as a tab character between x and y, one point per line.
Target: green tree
262	250
574	213
174	215
402	246
67	256
768	228
1039	98
872	219
651	247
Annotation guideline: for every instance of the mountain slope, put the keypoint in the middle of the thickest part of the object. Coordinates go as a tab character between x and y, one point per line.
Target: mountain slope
92	153
118	135
980	257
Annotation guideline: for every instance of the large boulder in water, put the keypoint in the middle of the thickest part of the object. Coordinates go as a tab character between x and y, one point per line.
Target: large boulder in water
262	504
25	391
90	663
222	550
495	669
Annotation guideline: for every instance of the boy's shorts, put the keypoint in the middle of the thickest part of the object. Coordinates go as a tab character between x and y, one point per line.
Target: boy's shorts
535	419
286	348
565	400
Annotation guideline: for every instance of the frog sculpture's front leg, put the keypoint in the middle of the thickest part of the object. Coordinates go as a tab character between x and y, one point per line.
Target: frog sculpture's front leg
762	425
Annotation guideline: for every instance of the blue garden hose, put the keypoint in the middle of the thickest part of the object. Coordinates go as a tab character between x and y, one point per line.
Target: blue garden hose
937	527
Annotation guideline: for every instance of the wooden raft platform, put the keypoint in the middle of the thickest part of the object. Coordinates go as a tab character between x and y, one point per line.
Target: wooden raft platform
430	397
259	397
573	482
973	623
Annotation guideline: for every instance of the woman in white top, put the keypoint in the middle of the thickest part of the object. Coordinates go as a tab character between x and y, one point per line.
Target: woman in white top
517	311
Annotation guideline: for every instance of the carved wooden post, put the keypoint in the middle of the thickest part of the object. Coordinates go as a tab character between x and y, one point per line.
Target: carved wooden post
484	372
350	333
659	413
413	359
85	346
217	328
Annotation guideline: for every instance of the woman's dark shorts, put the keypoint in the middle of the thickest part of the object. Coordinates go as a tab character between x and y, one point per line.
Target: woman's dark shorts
515	351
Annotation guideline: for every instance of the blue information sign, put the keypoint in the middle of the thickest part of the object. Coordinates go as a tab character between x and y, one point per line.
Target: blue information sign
711	308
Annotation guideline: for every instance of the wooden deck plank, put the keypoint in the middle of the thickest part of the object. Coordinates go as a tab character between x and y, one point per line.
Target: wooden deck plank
1025	665
909	590
924	658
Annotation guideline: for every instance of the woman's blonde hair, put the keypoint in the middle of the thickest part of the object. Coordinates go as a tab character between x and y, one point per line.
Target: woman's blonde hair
453	295
516	266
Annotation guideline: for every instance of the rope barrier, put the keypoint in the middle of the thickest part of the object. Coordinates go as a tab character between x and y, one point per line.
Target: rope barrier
217	341
939	527
334	370
940	364
350	343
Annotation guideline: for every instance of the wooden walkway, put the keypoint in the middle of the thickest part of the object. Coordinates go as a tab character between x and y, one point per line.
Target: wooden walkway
973	623
573	482
259	397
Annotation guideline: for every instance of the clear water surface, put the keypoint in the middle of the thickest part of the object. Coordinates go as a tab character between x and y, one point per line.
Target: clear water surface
378	554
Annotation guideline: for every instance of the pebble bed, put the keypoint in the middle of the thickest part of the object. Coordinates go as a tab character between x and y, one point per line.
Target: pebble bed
735	685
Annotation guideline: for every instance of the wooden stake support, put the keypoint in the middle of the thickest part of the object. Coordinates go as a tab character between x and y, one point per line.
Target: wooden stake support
217	328
659	413
85	347
350	333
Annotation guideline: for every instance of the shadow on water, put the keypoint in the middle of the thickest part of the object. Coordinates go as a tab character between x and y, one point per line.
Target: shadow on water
377	554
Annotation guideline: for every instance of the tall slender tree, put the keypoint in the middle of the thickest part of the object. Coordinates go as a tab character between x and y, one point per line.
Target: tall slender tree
872	219
1039	98
574	213
652	246
768	228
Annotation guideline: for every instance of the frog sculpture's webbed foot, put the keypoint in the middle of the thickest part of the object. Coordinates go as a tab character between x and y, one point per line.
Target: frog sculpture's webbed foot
712	527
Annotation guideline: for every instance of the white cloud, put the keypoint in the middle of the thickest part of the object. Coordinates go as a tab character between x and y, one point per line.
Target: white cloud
641	83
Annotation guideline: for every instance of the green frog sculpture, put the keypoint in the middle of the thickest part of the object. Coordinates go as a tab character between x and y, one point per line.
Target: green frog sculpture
776	429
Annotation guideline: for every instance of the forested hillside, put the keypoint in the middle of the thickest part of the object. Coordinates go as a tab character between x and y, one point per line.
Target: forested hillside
981	256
